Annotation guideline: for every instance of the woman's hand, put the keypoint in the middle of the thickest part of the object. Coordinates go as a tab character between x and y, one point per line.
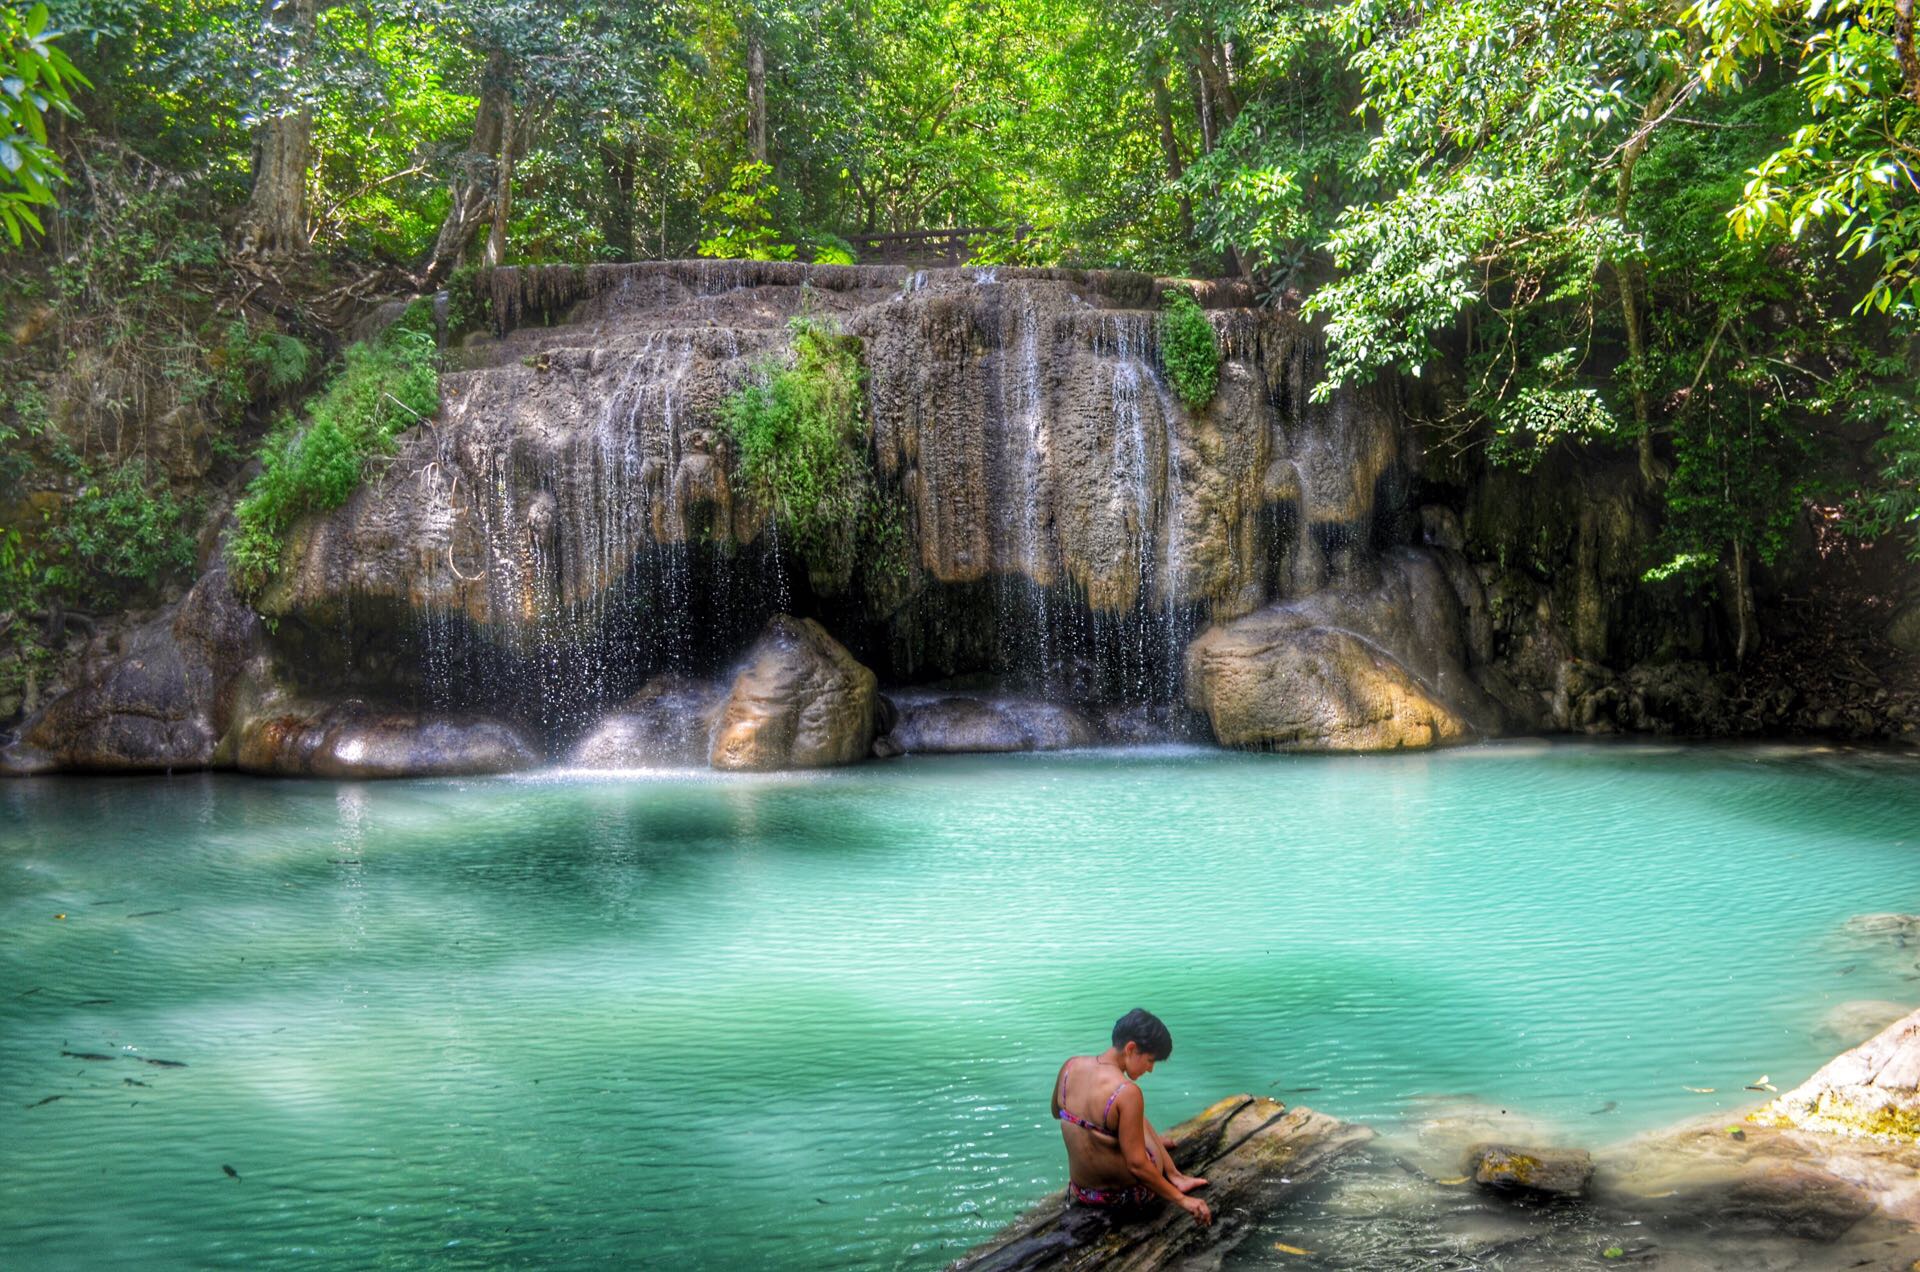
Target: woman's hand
1199	1209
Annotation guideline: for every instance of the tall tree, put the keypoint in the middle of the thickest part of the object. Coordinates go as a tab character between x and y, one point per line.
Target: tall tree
275	219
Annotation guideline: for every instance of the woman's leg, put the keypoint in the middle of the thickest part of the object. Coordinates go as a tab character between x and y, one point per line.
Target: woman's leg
1163	1156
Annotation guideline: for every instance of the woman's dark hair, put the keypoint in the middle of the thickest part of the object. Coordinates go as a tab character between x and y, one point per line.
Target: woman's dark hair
1142	1028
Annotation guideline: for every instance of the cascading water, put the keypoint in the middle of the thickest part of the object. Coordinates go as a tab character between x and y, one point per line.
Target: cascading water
595	564
568	528
1028	626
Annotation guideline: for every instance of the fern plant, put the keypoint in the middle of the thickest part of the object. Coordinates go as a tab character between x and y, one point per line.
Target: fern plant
1189	353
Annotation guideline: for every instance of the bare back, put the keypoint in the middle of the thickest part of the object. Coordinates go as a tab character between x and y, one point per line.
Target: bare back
1086	1089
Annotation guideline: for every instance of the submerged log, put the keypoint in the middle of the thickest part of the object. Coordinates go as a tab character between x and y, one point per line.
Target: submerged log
1256	1153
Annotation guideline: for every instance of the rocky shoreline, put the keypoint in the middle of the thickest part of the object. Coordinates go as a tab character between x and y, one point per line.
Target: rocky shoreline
1826	1175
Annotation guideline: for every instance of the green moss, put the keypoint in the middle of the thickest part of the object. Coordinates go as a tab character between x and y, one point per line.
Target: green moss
1888	1122
469	304
802	440
384	386
1189	351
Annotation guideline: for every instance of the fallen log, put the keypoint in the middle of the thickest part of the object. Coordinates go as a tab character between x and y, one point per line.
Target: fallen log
1256	1153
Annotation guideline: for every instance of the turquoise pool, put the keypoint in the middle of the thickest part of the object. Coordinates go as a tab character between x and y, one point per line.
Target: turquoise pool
810	1021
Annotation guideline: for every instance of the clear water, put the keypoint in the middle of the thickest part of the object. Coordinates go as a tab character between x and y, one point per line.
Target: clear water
810	1022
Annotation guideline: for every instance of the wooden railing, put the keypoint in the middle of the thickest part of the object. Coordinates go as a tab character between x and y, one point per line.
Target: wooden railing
925	248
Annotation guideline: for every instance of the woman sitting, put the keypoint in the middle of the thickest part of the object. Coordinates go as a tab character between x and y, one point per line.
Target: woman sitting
1115	1158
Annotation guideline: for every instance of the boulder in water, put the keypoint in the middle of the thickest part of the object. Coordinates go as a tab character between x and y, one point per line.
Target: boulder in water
799	701
1810	1186
158	698
1557	1172
1378	670
1813	1163
351	740
933	726
665	725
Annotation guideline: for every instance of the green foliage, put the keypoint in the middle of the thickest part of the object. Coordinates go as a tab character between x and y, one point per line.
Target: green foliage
802	439
127	279
740	218
1849	164
35	78
1894	506
23	420
830	249
469	306
120	534
1536	417
253	361
1189	350
23	589
384	386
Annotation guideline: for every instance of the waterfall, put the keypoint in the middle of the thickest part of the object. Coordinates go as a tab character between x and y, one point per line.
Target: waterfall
568	528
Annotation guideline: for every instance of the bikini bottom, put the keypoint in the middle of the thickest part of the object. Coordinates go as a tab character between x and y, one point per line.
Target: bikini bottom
1112	1198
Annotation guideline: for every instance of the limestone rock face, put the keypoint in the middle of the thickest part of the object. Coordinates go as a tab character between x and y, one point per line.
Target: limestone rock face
1871	1091
159	699
666	724
799	701
1376	670
945	725
351	740
1904	630
578	471
1560	1172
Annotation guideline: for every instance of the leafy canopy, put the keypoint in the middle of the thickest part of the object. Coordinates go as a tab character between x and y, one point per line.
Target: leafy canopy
36	79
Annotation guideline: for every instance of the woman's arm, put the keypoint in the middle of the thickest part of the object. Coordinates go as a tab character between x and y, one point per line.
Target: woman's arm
1132	1106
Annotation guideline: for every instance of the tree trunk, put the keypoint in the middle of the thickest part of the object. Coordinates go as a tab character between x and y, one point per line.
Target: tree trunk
502	190
1742	602
473	186
1170	147
1631	273
618	165
1211	58
1256	1155
757	95
275	220
1903	46
1203	106
1627	274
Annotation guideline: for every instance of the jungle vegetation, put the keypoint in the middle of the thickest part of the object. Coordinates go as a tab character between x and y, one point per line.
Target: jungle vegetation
1687	229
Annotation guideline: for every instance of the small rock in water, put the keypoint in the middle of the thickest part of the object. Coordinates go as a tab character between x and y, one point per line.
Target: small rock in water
1560	1172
